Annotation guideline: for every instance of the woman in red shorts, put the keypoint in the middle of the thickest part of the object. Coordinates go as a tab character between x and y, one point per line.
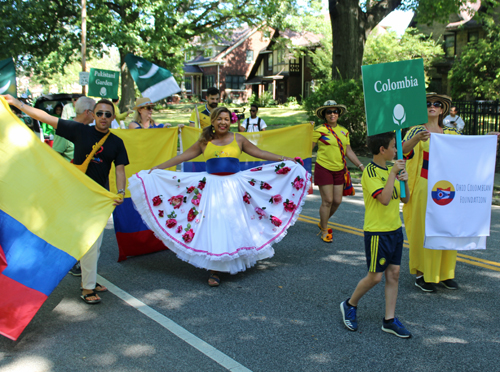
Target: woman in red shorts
333	148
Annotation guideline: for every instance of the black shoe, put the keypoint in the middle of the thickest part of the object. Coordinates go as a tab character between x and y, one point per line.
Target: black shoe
76	270
423	285
450	284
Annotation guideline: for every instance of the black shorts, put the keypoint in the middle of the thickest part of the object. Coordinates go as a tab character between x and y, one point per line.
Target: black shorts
382	249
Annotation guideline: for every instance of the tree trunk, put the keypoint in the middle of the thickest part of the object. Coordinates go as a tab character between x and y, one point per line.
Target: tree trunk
350	27
127	85
348	39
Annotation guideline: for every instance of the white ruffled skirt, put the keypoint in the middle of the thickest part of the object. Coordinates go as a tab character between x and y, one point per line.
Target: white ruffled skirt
223	223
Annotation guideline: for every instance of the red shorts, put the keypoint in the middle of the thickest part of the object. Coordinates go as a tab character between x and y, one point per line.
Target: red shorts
323	176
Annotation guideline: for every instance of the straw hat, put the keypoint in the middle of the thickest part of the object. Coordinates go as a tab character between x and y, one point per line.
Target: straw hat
141	102
444	99
328	105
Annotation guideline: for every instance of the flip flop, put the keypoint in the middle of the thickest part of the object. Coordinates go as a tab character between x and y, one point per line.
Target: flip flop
215	278
96	289
330	231
90	302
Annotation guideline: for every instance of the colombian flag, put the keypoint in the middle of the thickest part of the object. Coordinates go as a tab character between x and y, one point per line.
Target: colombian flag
50	215
292	142
145	149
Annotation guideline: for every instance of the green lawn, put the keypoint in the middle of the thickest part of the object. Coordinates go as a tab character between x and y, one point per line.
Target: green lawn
274	117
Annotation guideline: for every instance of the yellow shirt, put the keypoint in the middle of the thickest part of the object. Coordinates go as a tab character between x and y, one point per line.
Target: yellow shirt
204	116
379	217
329	156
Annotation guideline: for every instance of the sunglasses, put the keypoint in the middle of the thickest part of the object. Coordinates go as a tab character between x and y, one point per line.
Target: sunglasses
435	104
329	112
105	113
149	108
253	110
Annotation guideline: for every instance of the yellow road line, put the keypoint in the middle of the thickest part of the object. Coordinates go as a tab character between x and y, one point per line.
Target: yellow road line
355	231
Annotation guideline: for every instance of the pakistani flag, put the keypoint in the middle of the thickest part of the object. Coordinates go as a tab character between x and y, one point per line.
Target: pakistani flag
8	77
153	81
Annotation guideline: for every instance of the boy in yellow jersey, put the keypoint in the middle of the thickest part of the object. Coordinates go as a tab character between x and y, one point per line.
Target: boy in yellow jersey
383	232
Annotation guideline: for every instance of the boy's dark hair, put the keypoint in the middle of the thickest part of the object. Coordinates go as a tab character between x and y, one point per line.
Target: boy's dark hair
106	102
375	142
254	105
212	91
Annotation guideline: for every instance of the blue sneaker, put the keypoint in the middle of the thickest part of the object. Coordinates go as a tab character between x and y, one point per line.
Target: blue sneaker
396	328
349	316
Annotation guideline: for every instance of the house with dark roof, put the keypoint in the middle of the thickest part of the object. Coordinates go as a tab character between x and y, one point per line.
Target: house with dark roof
224	64
462	29
280	70
251	61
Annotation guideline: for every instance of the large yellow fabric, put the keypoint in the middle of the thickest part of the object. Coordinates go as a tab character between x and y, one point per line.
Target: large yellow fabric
47	194
145	149
435	264
291	141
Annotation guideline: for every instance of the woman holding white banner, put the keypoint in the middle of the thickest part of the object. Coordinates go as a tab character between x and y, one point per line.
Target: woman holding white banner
224	219
330	172
429	265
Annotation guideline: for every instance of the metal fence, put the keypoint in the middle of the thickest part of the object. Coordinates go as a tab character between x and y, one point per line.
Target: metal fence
480	117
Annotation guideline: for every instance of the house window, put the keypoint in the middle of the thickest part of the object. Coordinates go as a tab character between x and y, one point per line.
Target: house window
187	83
235	82
208	53
473	37
249	58
449	45
270	61
208	81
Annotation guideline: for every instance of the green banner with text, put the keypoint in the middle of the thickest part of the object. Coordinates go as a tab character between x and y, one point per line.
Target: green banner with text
394	95
103	83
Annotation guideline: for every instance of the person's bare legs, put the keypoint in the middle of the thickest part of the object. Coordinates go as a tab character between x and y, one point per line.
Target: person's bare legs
364	285
391	290
331	197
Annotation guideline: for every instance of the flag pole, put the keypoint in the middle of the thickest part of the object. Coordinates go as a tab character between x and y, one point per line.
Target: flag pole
399	141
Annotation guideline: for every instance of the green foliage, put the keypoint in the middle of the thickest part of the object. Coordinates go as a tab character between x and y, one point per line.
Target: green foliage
348	93
388	47
253	99
291	102
32	30
476	74
266	99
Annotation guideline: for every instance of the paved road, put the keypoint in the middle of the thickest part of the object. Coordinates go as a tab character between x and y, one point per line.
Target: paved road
281	315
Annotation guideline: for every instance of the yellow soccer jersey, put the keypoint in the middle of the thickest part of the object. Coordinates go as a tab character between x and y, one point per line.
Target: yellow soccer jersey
204	116
379	217
329	156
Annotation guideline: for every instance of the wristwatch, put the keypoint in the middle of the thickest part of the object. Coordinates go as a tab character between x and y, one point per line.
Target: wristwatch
121	191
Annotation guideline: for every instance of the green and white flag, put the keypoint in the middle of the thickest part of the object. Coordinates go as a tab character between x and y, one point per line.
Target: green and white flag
8	77
153	81
103	83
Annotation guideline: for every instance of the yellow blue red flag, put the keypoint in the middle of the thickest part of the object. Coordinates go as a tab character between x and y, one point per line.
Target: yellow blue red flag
291	142
145	149
50	215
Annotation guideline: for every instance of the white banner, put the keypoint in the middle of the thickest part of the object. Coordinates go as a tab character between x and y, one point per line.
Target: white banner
460	189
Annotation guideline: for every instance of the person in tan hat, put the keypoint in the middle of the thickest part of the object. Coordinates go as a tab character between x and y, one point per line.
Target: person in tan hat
429	265
143	115
330	172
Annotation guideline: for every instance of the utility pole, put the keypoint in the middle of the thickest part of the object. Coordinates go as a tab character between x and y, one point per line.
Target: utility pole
84	40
